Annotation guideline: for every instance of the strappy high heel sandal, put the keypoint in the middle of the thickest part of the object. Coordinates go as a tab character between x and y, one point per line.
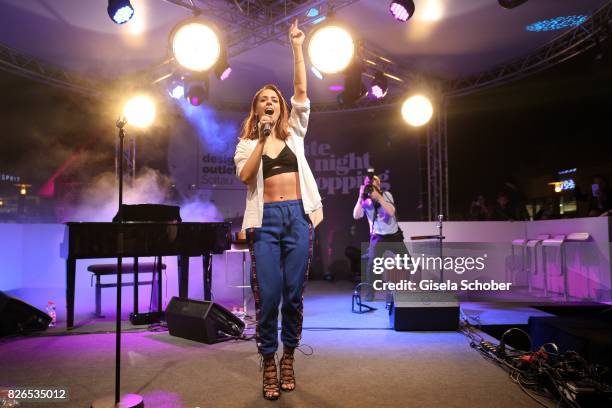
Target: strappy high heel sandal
271	390
287	375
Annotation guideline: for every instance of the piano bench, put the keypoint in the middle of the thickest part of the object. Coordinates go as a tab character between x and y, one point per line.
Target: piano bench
99	270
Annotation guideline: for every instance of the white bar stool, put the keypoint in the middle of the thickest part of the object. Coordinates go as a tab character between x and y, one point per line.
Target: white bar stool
520	243
239	246
533	244
554	242
573	237
559	242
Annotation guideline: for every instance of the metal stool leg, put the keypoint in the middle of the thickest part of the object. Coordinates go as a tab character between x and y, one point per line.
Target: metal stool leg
528	268
564	272
98	297
244	300
523	263
135	270
544	271
159	284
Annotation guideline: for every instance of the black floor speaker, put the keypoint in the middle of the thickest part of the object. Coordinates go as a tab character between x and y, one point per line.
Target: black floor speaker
203	321
18	317
424	311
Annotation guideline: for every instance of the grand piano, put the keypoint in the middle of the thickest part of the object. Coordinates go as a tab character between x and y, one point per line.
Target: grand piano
89	240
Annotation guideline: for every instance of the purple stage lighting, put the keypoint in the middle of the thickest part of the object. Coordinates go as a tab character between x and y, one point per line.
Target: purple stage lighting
379	85
377	92
197	94
226	73
222	67
401	10
336	88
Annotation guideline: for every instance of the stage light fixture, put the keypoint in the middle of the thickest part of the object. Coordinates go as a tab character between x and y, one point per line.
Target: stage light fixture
510	4
401	10
354	88
177	90
312	12
195	45
379	86
140	111
330	48
197	94
417	110
557	23
120	11
222	67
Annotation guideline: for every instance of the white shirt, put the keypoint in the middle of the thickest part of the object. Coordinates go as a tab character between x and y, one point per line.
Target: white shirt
311	199
385	223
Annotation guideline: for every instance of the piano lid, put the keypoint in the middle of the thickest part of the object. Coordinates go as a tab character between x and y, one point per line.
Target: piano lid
149	212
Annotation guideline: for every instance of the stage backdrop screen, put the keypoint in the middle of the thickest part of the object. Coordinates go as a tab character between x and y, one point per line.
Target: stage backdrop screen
340	147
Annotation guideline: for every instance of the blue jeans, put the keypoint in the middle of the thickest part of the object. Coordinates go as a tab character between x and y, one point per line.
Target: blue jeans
281	251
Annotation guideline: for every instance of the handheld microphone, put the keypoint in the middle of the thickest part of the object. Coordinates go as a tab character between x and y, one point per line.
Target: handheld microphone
267	130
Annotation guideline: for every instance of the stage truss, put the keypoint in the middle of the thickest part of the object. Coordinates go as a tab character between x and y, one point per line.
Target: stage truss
251	23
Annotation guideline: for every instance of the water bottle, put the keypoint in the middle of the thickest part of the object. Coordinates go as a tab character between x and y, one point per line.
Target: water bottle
51	312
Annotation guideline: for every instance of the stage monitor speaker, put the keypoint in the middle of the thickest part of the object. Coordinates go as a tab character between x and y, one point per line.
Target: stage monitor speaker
424	311
18	317
203	321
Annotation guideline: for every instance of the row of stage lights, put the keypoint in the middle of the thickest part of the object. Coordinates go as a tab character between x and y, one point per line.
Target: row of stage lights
197	48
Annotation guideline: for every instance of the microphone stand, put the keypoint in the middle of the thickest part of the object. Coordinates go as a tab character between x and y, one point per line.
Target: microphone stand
356	305
128	400
440	238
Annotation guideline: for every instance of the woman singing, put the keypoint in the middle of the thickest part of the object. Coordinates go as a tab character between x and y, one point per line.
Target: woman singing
283	206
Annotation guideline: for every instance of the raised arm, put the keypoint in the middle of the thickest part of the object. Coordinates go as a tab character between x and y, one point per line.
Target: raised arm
296	38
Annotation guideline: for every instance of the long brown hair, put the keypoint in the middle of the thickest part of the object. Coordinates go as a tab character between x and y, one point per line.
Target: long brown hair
249	126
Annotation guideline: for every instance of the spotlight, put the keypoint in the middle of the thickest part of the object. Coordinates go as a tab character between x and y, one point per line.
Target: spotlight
417	110
23	188
120	11
557	23
222	67
140	111
510	4
312	12
197	93
226	73
195	45
330	48
177	90
379	86
401	10
354	89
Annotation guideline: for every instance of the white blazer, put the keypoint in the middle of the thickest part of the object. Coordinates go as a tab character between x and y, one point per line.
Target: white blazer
311	199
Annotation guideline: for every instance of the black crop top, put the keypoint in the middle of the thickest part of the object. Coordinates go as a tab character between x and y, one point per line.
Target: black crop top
285	162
